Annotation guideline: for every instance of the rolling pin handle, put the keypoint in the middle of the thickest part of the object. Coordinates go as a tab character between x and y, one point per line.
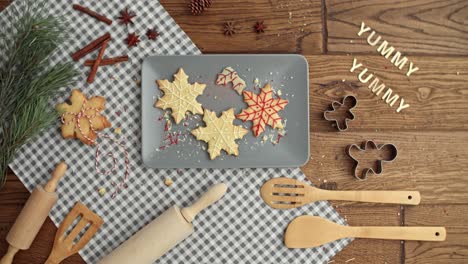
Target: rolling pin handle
56	176
8	258
211	196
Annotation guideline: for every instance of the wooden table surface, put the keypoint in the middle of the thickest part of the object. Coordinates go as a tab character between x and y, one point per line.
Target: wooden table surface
431	135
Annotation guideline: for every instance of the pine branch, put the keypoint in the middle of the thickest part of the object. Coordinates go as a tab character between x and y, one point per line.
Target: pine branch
27	81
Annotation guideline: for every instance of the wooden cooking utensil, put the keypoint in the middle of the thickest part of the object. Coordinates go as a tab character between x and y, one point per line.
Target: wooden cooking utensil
287	193
32	216
64	245
312	231
163	233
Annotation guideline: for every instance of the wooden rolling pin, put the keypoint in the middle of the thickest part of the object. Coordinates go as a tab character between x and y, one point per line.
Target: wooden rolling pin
163	233
33	215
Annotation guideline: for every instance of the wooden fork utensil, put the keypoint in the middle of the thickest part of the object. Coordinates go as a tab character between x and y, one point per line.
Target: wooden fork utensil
287	193
309	231
64	245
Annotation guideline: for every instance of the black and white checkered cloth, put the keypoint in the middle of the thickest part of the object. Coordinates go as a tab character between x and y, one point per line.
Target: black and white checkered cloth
238	229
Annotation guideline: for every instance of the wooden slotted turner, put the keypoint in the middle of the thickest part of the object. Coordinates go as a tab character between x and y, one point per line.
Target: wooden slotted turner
64	245
287	193
312	231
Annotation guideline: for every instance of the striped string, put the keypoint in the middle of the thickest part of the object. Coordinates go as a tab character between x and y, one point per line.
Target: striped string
76	120
122	184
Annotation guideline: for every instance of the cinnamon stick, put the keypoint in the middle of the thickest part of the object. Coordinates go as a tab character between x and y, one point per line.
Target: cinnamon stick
94	45
92	13
107	61
94	69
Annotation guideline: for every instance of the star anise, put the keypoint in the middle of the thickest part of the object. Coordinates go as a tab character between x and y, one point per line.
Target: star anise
230	28
132	39
260	27
126	16
152	34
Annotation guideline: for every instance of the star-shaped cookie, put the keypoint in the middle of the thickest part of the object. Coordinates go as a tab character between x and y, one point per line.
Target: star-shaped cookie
82	119
220	133
180	96
262	110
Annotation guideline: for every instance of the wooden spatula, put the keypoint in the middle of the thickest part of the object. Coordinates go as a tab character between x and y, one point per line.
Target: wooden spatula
286	193
312	231
64	245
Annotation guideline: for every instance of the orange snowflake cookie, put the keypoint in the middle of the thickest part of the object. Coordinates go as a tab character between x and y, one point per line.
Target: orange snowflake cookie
262	110
82	118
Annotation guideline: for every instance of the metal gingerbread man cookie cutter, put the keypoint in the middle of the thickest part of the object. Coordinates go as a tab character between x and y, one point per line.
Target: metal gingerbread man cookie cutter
347	100
366	145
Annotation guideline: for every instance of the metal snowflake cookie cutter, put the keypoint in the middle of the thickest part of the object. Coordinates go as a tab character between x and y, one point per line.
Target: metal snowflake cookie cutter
342	126
369	144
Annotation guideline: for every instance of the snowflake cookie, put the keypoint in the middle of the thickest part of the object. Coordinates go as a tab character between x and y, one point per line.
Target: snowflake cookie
82	118
180	96
262	110
220	133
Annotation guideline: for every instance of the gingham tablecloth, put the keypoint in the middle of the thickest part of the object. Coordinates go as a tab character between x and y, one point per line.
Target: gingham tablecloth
238	229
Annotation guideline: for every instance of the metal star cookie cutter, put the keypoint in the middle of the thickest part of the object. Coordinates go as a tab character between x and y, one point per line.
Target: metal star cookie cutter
335	105
379	162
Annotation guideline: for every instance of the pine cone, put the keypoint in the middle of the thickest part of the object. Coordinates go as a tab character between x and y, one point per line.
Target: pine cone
207	3
198	6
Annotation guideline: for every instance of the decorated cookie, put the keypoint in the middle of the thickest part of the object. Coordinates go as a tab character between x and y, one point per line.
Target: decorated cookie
81	118
230	75
220	133
180	96
262	110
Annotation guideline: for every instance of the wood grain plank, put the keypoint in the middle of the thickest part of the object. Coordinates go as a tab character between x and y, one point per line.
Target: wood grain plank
14	192
292	26
437	93
454	249
415	27
383	251
433	163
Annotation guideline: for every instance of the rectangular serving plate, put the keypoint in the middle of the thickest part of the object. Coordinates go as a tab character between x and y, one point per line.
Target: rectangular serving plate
287	73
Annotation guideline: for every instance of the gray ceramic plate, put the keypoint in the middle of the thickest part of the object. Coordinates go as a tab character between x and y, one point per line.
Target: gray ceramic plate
164	146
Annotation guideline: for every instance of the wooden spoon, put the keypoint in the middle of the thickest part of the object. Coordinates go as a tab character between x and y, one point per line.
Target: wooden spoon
287	193
312	231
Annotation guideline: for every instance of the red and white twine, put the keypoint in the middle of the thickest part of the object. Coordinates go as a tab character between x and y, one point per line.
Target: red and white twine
97	159
76	120
82	114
